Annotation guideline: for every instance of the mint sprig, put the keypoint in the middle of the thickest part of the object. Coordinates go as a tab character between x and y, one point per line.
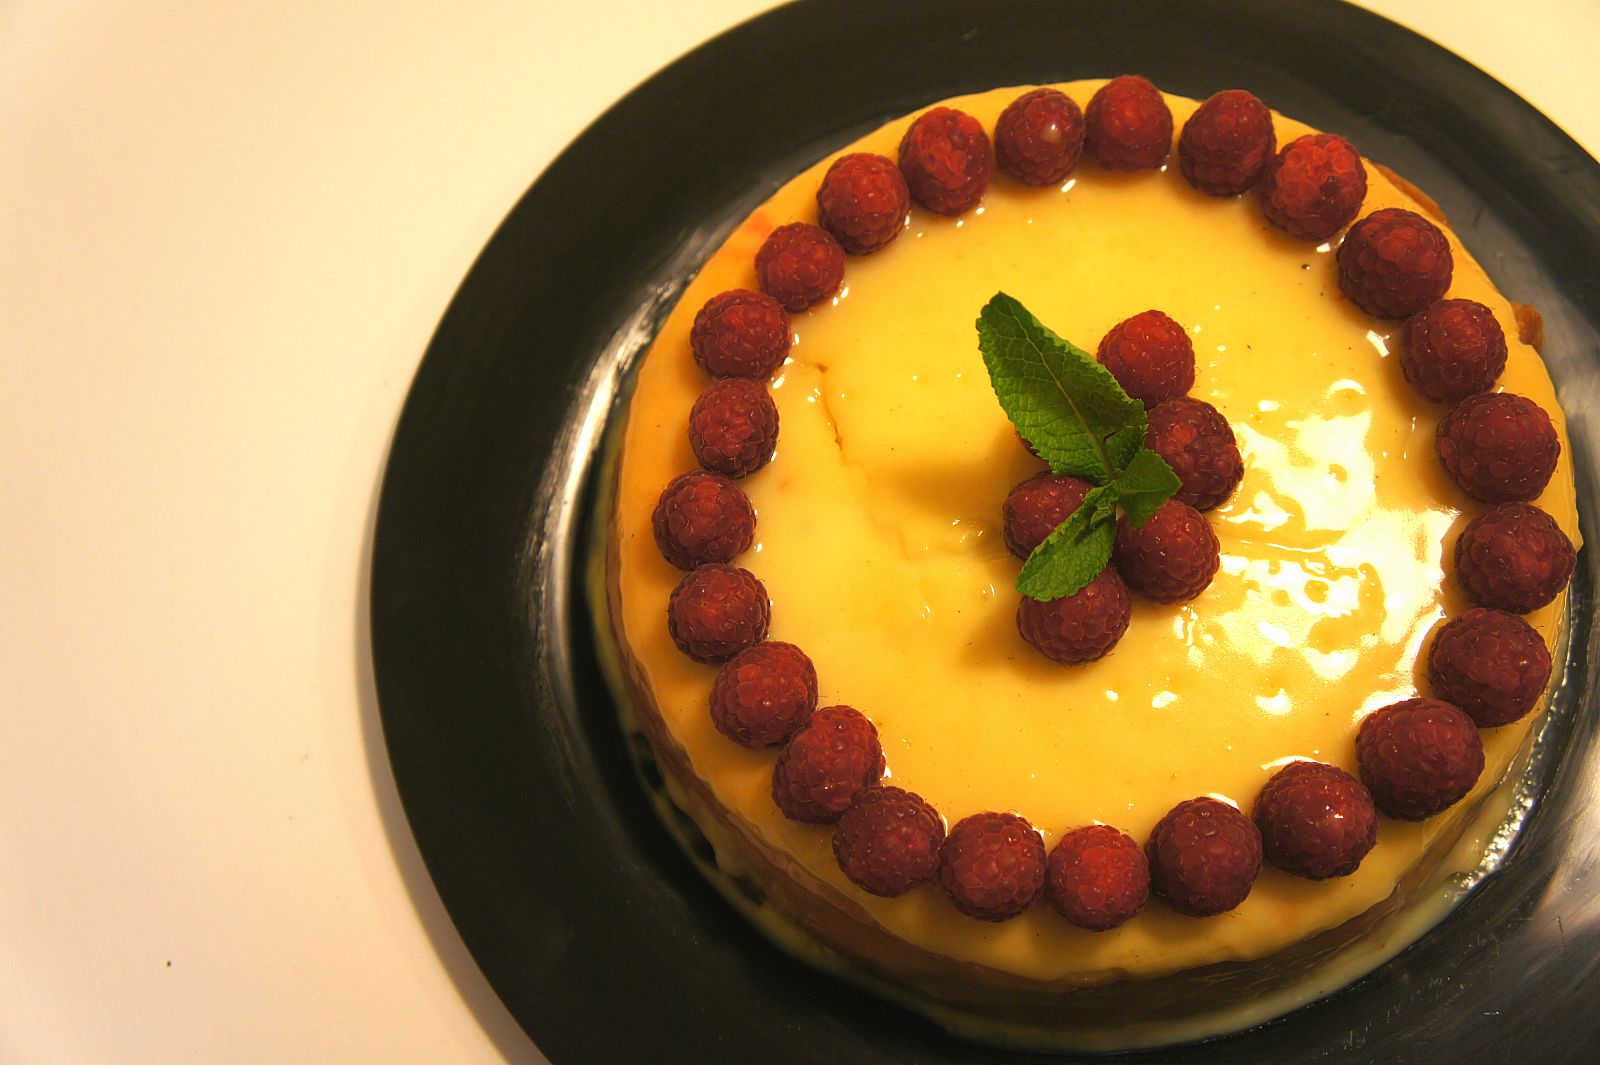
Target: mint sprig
1083	424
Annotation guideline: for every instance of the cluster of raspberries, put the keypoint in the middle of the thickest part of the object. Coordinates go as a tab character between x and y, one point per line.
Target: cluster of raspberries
703	519
1174	554
1487	667
1311	819
1498	447
1311	189
1417	757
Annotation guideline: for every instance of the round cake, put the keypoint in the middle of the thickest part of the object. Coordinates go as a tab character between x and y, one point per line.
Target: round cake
876	462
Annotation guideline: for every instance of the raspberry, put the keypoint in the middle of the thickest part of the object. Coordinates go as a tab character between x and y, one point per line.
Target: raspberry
1314	186
1316	820
1418	757
1171	557
1080	627
1127	125
717	611
1491	664
1038	137
863	202
1035	507
763	694
1204	856
733	426
1151	356
946	159
888	842
740	333
1227	143
992	865
800	265
1498	447
1097	877
702	517
1393	263
1453	349
1197	442
826	765
1514	557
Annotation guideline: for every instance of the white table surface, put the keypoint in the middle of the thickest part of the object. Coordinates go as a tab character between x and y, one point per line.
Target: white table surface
227	231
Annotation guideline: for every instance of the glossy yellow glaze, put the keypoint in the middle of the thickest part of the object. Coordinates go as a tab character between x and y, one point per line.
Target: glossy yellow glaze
878	539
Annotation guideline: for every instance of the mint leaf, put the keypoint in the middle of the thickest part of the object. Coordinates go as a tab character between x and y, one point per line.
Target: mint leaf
1076	552
1061	400
1144	484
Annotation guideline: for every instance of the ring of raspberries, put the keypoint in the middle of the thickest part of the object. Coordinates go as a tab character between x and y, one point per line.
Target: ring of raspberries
1414	758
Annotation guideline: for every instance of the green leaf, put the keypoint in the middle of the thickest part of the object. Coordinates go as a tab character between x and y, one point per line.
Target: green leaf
1145	484
1061	400
1076	552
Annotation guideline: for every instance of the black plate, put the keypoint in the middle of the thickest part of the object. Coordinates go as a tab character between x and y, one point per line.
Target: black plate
594	929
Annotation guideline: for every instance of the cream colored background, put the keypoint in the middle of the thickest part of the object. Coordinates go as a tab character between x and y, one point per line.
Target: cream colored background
227	231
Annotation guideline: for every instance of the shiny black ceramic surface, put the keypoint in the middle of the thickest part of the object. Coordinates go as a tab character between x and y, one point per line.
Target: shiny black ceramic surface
597	932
